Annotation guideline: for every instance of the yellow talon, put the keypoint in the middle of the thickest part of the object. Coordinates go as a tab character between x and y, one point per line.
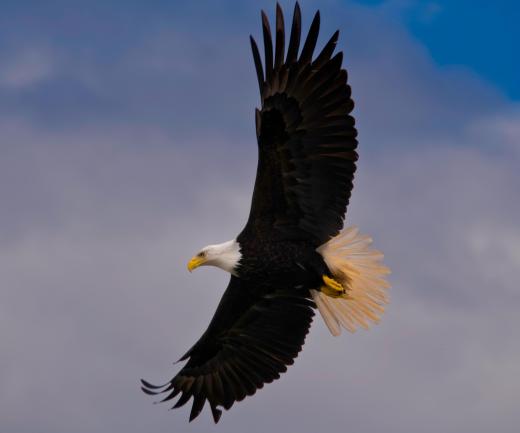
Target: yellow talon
332	288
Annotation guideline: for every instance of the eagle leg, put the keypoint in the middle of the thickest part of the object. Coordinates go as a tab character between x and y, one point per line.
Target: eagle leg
332	288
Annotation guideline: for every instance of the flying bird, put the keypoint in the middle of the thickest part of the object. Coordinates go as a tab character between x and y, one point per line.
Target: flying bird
293	255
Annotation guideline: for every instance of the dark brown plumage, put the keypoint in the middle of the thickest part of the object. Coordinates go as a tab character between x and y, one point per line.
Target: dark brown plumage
253	336
307	141
306	137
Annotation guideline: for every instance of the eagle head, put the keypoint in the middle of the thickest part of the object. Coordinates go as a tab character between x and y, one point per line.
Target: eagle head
225	256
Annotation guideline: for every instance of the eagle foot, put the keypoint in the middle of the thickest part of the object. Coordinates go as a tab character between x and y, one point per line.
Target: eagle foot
332	288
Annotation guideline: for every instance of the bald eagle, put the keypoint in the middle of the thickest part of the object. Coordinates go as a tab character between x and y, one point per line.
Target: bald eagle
292	255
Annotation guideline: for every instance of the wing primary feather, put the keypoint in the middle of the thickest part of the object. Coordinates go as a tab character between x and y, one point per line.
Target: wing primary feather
268	47
208	388
217	388
217	413
258	64
245	378
262	363
327	51
225	397
147	384
197	406
253	374
280	38
294	42
183	400
230	394
235	381
149	392
310	42
170	396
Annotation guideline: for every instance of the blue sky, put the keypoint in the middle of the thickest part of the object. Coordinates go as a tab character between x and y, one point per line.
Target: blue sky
481	35
478	35
128	144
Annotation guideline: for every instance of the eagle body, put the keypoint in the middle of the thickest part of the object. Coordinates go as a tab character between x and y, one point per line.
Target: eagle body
293	256
287	263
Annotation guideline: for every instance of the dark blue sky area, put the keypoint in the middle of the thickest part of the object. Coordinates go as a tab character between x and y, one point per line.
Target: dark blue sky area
482	35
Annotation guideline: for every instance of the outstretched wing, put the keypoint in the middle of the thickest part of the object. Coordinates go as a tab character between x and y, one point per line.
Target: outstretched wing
306	137
254	335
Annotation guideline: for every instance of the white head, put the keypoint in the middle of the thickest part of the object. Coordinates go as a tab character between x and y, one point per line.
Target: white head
224	256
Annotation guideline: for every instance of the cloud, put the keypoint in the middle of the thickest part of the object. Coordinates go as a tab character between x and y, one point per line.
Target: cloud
29	66
101	209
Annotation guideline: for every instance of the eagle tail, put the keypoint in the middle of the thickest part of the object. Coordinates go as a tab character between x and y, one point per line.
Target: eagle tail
358	268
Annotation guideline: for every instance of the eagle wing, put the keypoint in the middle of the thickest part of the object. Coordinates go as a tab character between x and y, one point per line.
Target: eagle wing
306	137
253	336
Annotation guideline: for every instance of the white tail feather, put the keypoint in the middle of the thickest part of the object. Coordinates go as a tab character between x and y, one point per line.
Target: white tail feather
359	269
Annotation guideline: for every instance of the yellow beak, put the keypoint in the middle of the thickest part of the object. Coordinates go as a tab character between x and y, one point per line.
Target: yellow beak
195	262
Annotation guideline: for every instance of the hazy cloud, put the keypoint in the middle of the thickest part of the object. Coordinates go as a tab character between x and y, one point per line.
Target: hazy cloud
30	66
107	194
